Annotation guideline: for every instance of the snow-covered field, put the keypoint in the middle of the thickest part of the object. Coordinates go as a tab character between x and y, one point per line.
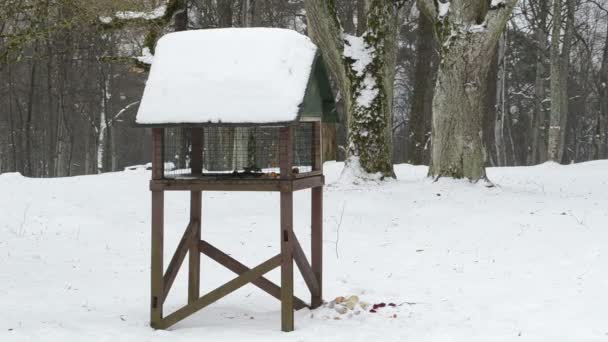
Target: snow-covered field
524	261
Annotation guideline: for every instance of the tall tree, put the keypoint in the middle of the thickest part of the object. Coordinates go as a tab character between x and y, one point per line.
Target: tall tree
503	138
602	118
560	63
467	32
537	14
363	68
422	101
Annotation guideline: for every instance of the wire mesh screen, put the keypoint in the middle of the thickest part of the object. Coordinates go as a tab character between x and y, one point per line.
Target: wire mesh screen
237	151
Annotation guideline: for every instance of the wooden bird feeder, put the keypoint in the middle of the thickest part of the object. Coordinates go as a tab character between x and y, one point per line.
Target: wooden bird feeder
236	110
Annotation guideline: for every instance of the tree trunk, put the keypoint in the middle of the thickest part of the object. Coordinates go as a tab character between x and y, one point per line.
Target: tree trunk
421	109
538	153
29	168
467	33
224	12
490	113
11	120
103	123
363	68
113	149
87	152
565	121
458	113
602	120
181	16
361	17
347	16
247	13
560	62
505	149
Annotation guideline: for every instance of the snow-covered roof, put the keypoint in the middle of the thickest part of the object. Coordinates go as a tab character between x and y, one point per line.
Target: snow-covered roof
233	75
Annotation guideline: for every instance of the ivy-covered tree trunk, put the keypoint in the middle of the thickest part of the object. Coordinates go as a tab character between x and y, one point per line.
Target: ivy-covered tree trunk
467	32
363	68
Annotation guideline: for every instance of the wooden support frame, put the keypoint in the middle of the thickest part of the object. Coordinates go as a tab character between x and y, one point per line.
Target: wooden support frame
192	244
238	268
221	291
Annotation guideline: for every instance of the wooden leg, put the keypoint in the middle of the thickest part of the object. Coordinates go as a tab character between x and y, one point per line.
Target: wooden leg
156	305
286	261
317	243
194	254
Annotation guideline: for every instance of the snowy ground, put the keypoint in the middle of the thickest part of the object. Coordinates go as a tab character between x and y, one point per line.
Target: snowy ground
525	261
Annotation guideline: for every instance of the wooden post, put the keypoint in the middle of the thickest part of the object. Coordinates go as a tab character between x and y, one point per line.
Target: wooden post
286	163
316	217
317	242
194	267
157	286
196	157
287	261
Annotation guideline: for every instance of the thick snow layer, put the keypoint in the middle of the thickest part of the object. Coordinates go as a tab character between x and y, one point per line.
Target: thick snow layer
255	75
524	261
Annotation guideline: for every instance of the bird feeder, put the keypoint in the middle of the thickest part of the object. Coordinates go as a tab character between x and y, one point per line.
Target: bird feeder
236	110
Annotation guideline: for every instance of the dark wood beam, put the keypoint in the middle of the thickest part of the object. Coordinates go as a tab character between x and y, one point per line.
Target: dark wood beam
307	183
221	291
304	266
156	267
238	268
177	259
194	262
294	183
316	237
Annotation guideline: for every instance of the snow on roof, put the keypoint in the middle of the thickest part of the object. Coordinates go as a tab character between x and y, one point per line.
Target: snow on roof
233	75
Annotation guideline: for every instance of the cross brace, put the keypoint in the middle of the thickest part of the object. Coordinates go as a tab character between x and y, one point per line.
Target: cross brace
221	291
246	275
